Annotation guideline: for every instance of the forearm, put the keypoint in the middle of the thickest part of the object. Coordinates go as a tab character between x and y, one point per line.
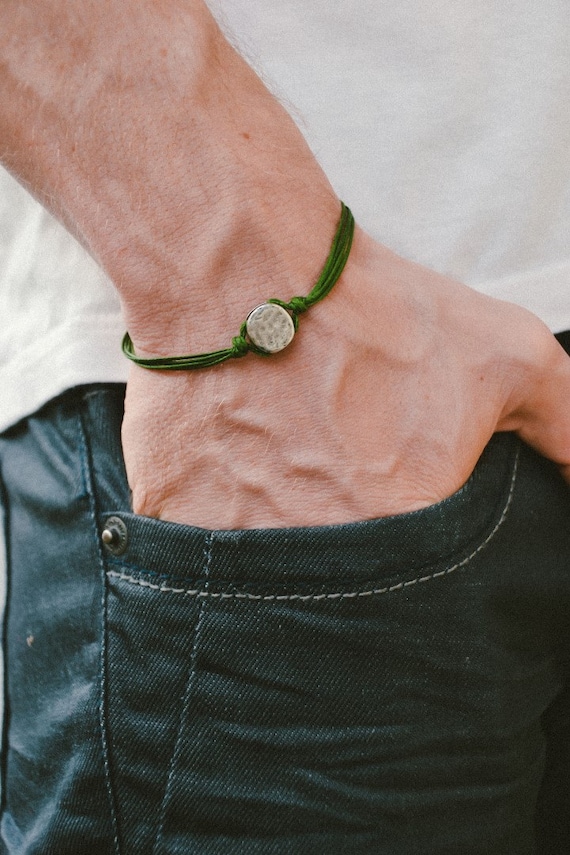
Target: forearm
147	135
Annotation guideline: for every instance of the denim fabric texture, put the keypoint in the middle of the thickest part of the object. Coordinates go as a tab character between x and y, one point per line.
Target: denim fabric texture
397	686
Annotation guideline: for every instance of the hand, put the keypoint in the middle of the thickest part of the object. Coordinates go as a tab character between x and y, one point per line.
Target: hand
162	151
382	405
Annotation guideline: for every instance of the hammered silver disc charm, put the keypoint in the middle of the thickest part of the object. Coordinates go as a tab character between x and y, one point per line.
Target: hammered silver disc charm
270	327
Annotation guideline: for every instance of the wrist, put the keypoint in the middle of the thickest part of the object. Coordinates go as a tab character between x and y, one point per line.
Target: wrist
263	256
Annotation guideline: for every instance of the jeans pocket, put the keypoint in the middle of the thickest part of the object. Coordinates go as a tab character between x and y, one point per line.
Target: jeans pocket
285	690
321	560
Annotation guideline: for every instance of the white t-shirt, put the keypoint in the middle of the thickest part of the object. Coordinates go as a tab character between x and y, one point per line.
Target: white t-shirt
445	126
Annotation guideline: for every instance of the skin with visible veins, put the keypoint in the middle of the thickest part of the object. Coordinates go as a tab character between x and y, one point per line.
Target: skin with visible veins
150	138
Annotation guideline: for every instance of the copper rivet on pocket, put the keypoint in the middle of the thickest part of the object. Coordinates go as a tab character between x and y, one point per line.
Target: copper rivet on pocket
114	535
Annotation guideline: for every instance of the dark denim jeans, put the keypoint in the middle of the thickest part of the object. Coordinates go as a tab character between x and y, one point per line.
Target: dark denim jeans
398	686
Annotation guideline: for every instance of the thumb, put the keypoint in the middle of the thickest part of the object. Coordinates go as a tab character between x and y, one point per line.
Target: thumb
539	408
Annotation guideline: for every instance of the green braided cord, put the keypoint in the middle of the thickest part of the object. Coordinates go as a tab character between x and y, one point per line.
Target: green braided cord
241	344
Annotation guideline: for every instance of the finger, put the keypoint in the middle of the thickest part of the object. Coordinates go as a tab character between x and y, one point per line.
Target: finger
565	472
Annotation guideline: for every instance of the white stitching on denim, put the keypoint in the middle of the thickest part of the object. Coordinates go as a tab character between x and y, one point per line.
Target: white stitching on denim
184	707
199	593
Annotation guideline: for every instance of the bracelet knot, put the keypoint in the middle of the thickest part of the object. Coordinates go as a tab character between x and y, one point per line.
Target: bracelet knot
298	305
240	346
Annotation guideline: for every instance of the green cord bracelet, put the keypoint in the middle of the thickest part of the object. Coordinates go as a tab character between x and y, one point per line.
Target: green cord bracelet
270	327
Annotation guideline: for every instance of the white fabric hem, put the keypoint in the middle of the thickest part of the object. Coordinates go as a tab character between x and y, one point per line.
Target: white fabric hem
51	365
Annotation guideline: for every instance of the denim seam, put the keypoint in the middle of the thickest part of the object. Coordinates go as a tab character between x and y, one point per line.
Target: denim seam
3	653
88	480
185	702
141	569
339	595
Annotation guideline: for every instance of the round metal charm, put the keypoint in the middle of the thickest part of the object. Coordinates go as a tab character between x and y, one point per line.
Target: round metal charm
270	327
